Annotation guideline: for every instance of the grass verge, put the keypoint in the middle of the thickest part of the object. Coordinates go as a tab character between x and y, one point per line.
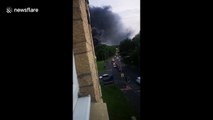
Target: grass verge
117	105
100	65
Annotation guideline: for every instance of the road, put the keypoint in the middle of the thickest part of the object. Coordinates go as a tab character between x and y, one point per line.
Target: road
131	90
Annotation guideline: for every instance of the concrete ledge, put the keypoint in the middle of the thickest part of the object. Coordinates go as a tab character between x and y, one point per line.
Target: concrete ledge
99	111
82	108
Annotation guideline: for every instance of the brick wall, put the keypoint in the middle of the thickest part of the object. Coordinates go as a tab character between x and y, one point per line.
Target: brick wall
84	52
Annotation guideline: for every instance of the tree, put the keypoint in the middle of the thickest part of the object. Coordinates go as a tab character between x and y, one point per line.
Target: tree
125	47
136	54
130	50
104	52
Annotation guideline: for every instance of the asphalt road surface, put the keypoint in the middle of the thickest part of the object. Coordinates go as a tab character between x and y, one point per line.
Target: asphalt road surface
131	89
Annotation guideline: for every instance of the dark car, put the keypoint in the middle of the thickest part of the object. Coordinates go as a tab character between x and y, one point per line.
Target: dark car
114	64
108	80
119	68
127	79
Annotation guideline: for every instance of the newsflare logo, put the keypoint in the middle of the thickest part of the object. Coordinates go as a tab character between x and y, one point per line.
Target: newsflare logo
28	9
9	10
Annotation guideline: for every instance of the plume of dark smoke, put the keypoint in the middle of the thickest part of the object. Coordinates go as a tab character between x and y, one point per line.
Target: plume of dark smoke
107	26
97	35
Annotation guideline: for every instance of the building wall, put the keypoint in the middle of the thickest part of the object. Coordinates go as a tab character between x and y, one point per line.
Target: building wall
84	51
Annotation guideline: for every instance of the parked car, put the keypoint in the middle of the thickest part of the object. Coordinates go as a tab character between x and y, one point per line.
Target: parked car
119	69
104	75
127	79
108	79
138	80
113	59
114	65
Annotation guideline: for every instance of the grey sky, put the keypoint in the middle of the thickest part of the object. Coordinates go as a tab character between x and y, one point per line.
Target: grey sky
128	10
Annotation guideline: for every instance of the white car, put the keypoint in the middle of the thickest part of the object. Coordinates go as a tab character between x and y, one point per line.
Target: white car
138	80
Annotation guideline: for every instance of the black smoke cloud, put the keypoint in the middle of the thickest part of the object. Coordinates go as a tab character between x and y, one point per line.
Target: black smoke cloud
107	26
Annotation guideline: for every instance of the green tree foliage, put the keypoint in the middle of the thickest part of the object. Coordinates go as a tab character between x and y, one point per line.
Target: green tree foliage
104	52
136	53
125	47
130	50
